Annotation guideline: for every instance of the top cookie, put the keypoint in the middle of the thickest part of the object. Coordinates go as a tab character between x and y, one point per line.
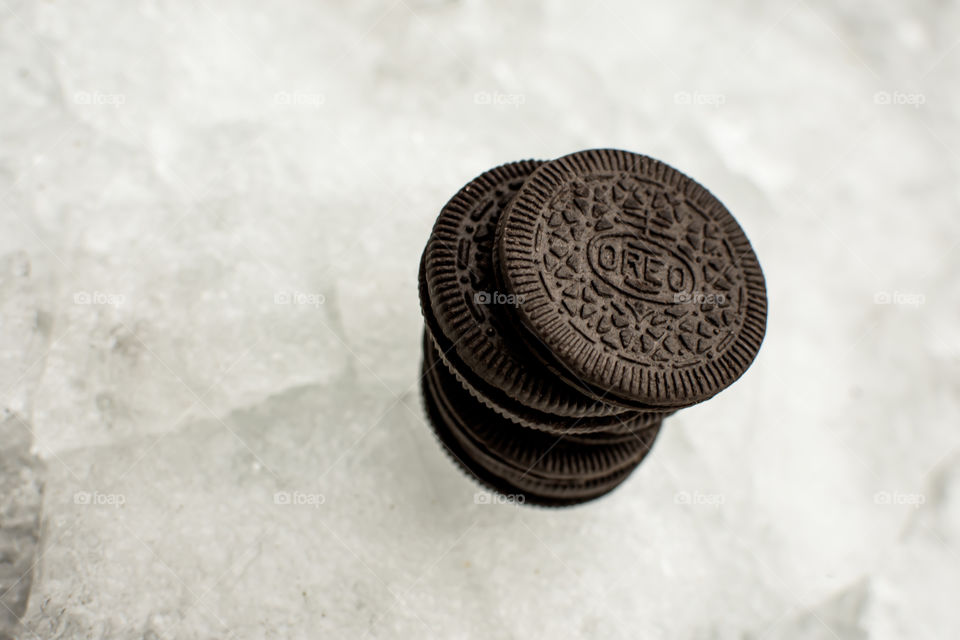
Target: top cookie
640	283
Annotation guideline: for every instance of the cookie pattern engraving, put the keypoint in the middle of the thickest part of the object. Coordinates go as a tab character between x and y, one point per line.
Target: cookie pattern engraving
640	269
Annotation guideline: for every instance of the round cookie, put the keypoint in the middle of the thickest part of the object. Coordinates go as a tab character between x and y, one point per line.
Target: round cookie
542	469
512	408
466	311
638	284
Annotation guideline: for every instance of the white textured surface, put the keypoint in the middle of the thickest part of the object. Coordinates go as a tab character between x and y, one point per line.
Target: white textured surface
184	164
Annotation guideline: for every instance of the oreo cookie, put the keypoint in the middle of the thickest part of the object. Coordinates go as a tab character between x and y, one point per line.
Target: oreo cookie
635	284
569	307
528	465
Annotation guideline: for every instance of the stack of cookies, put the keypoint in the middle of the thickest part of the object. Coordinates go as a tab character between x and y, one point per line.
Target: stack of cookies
569	307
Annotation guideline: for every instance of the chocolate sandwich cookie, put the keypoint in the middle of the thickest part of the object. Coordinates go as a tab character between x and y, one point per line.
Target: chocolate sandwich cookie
634	283
544	469
467	312
511	407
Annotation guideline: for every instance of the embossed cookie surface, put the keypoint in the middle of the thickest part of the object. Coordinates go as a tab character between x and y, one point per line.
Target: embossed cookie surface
640	283
476	319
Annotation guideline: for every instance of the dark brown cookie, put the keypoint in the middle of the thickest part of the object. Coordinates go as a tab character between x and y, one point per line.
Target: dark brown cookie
531	466
636	282
466	311
512	408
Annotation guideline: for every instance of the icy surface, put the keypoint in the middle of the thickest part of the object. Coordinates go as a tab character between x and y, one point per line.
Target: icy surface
212	217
